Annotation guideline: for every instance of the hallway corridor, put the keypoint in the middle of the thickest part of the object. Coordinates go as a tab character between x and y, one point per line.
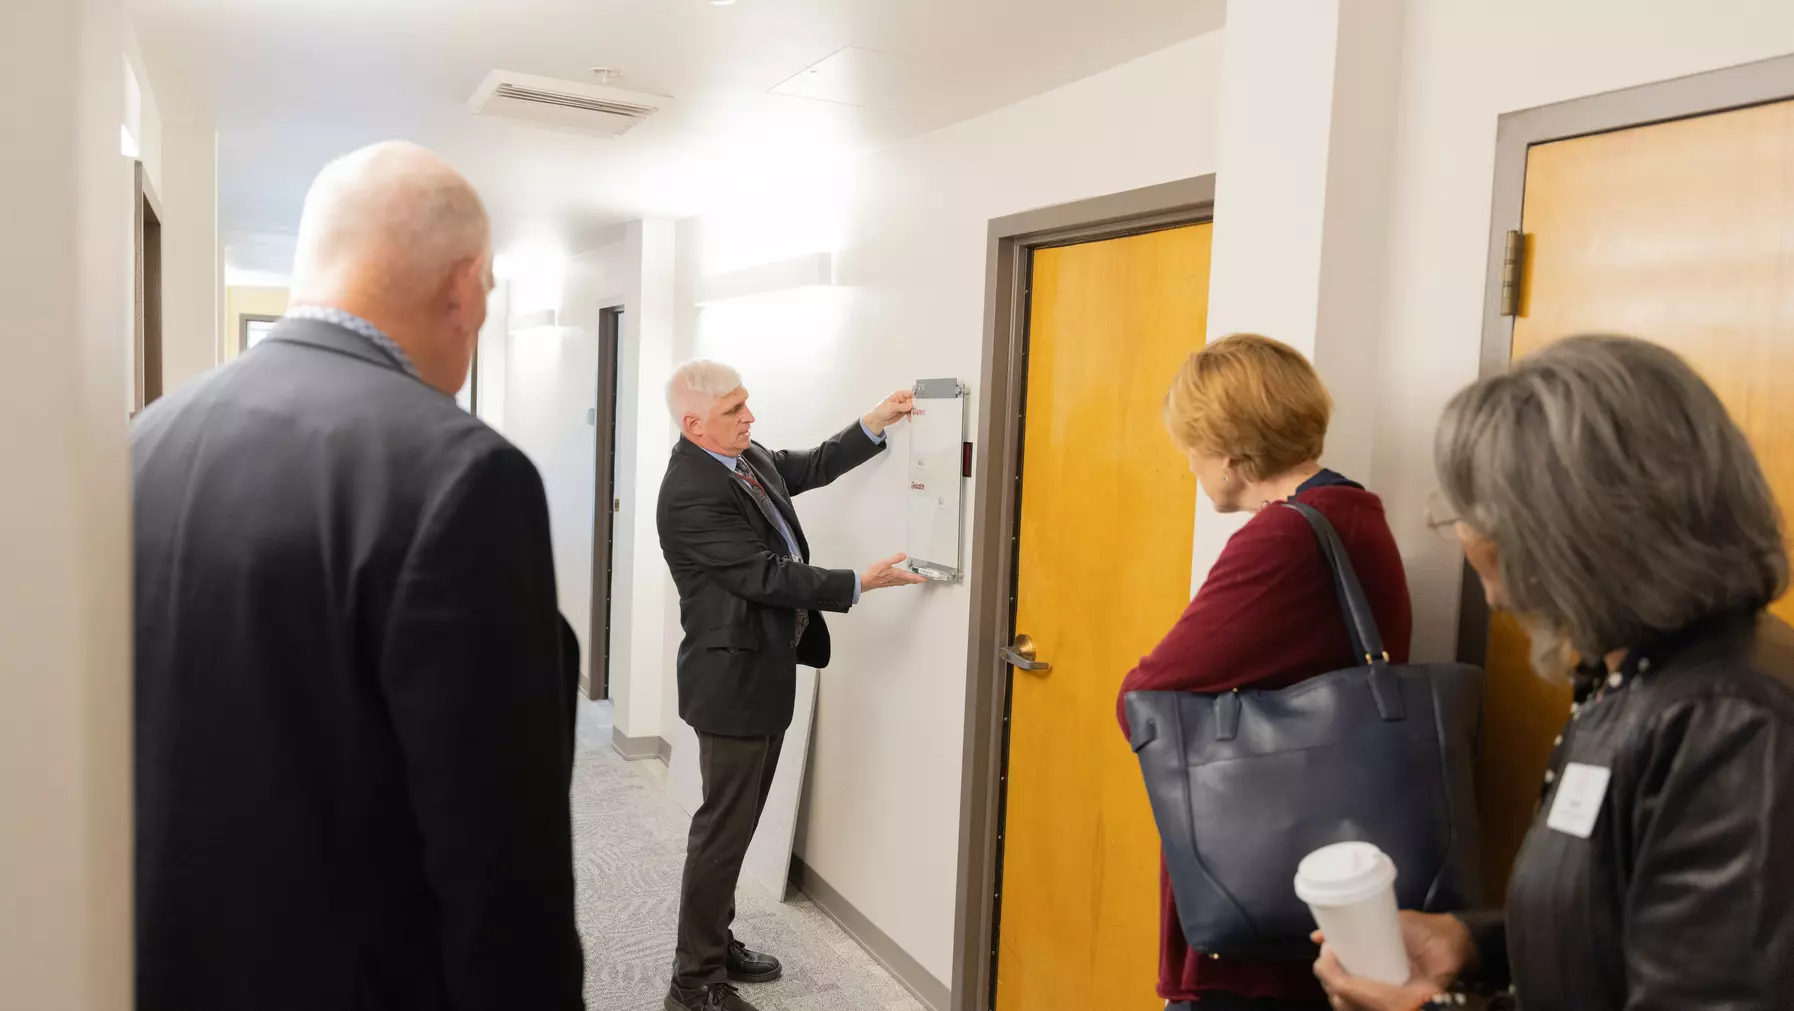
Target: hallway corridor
629	847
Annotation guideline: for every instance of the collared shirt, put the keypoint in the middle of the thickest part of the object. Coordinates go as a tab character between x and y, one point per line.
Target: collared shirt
736	464
356	325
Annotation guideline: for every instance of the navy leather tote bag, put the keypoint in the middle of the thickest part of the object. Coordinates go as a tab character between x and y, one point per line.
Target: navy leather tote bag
1247	783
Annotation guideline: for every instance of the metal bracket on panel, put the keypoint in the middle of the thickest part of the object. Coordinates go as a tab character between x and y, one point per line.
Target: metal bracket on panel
937	573
940	389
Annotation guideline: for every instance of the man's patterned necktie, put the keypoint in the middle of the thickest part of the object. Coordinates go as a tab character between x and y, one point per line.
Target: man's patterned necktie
756	489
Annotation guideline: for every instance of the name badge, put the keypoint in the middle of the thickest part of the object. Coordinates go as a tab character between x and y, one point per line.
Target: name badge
1577	805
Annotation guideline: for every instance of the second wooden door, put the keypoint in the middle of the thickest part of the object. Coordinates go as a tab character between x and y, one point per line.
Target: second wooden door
1680	233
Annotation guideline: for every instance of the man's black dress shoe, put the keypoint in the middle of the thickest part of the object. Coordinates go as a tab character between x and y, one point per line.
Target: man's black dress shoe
715	997
752	966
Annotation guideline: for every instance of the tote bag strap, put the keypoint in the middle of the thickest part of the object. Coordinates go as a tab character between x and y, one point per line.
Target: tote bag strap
1360	622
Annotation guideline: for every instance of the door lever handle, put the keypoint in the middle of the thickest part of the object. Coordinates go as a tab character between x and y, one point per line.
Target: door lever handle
1021	656
1020	662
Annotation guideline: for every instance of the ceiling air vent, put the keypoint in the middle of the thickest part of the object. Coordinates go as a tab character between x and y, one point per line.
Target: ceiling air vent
563	105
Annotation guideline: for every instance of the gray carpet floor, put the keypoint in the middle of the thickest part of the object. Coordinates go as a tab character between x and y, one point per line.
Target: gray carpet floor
629	848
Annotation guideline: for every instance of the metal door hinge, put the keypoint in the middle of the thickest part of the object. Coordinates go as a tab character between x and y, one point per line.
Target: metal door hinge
1512	261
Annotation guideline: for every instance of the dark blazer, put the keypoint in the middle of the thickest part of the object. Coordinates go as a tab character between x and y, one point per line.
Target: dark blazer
739	593
352	716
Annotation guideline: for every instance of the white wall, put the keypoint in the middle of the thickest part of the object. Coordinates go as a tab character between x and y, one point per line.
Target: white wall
142	117
1307	119
1464	65
493	354
65	879
645	600
183	141
910	226
551	382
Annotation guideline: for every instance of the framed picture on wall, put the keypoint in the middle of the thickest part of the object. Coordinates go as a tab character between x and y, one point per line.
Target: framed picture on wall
251	328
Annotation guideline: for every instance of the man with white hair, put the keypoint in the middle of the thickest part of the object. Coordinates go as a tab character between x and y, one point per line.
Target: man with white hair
751	604
353	714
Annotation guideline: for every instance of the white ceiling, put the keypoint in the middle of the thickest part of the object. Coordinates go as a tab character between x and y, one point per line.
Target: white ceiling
294	82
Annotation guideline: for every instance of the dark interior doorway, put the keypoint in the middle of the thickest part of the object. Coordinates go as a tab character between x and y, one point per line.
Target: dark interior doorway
146	338
605	503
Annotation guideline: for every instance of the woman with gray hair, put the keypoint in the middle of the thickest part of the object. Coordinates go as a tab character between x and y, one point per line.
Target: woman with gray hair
1607	499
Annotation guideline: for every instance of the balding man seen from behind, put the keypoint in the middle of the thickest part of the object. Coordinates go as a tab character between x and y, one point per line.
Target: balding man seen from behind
353	718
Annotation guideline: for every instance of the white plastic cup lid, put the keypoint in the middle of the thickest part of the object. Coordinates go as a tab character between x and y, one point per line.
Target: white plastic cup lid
1343	874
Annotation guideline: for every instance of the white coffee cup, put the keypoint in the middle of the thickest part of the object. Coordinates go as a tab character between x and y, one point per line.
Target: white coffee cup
1350	888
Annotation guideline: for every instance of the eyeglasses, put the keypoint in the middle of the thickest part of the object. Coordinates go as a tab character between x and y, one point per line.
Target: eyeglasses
1440	518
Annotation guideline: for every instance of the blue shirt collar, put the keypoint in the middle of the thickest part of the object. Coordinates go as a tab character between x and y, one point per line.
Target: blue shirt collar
731	462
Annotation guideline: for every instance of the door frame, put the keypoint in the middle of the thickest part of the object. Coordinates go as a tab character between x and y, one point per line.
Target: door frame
1703	94
596	681
995	526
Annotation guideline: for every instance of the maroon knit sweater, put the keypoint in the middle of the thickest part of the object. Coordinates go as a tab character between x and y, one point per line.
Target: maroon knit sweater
1268	617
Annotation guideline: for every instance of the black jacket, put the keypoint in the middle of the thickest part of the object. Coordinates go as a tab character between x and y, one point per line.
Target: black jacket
352	716
1682	897
739	592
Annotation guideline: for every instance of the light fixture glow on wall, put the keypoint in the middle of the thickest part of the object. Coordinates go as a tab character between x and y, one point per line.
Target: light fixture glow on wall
535	271
721	3
807	271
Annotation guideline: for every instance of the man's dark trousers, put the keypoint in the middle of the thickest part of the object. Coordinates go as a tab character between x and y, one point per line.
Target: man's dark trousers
737	775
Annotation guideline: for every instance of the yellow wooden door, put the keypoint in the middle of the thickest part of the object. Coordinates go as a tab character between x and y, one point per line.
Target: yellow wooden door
1107	518
1680	233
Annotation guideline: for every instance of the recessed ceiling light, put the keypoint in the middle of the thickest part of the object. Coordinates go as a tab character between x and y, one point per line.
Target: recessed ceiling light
721	3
